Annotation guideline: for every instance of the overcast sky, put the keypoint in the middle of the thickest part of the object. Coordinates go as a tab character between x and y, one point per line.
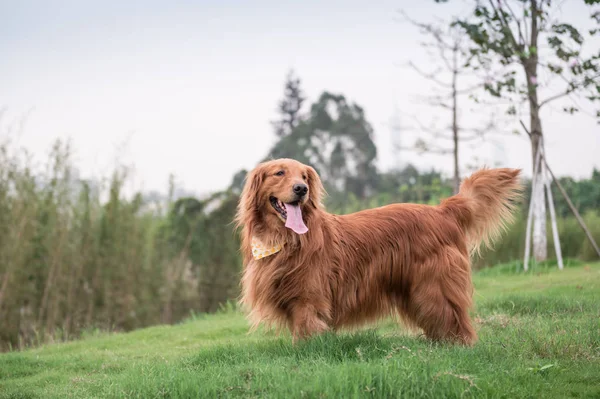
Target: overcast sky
189	87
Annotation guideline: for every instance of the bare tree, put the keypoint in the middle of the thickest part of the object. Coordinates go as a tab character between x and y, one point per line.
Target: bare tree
452	78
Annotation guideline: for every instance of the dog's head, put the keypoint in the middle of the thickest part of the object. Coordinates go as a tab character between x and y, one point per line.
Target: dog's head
280	193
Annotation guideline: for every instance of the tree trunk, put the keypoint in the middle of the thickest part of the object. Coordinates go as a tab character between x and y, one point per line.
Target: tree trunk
539	200
455	124
535	127
539	203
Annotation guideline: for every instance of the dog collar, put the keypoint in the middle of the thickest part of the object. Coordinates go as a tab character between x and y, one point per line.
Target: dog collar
260	250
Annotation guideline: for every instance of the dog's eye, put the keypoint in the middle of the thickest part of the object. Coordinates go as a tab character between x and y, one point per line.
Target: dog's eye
303	177
280	173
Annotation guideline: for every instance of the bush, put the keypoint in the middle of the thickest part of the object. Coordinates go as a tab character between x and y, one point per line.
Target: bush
592	220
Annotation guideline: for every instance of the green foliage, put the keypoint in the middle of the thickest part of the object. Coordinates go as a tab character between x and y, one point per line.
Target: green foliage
75	255
508	33
538	338
588	252
336	139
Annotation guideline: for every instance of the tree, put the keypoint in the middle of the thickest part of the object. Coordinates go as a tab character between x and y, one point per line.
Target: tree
200	238
510	35
289	107
237	182
336	139
451	76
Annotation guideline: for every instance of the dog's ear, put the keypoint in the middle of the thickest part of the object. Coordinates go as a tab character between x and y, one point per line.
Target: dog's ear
315	187
250	197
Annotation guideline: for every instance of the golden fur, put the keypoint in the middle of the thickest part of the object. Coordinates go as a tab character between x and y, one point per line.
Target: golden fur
406	259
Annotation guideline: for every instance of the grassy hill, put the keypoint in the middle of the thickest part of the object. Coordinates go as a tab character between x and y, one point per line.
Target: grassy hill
539	337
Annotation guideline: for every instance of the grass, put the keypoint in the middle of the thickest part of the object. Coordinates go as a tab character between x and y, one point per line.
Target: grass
539	337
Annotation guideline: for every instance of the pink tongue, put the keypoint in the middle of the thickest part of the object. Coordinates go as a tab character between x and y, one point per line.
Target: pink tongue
294	219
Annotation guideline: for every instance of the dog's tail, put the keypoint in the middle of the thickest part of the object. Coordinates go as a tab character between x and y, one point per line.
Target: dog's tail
485	204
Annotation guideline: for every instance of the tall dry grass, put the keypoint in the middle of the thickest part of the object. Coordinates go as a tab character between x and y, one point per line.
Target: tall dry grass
70	261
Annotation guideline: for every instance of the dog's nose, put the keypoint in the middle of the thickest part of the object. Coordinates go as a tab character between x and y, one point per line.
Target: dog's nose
300	189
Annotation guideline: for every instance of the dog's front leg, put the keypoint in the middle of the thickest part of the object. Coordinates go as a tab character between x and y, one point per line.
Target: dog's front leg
306	321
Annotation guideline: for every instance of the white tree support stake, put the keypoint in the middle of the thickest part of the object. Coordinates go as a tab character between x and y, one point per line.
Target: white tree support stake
574	210
552	211
531	204
553	219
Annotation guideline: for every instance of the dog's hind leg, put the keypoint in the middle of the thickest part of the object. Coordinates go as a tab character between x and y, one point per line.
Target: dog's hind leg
440	302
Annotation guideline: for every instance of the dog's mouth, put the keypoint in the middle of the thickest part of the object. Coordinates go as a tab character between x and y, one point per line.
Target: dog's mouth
279	207
290	213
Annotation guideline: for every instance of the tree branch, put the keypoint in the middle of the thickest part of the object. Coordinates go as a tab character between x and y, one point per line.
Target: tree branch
438	36
460	138
444	58
507	29
572	87
517	22
429	130
429	76
470	89
534	27
436	33
422	146
437	101
525	29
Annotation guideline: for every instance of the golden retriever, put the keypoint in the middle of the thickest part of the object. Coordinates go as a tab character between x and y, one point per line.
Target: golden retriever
312	271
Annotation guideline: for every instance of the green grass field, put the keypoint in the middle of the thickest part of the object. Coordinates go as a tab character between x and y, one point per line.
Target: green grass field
539	337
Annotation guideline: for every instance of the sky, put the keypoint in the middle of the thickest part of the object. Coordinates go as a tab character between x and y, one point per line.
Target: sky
190	87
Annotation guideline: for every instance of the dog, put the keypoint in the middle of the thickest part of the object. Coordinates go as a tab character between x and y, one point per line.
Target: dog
311	271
